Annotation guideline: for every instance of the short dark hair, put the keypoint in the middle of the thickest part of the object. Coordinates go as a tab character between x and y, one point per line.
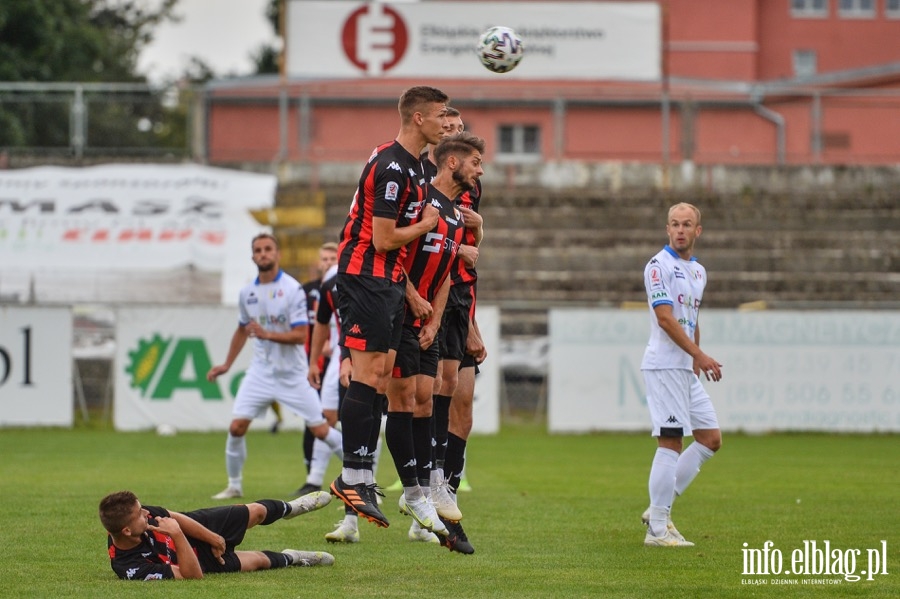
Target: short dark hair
461	144
263	236
115	510
452	111
413	99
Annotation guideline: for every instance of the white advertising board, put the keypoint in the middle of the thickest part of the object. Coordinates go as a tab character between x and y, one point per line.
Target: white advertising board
132	218
486	407
163	355
35	366
799	371
563	40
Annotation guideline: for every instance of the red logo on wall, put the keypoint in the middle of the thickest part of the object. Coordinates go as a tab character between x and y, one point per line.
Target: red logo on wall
374	38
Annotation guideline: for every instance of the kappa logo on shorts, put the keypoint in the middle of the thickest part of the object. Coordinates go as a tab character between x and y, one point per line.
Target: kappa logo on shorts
671	420
355	330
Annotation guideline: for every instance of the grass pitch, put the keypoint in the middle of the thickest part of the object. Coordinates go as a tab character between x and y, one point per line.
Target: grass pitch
549	516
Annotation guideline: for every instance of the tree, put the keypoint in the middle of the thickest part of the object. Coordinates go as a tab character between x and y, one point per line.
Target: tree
266	57
72	41
76	40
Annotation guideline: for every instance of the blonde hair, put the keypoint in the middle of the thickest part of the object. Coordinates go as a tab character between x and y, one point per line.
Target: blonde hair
685	205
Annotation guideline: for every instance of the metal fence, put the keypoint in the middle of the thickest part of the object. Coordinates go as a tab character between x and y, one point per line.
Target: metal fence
767	124
84	120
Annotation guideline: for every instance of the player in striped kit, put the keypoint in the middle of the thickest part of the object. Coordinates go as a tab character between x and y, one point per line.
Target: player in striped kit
462	349
371	283
428	264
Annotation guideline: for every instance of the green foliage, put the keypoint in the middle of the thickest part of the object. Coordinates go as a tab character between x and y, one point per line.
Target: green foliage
78	41
75	40
549	516
266	58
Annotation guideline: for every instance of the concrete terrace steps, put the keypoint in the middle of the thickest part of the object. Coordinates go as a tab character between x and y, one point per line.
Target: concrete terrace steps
557	248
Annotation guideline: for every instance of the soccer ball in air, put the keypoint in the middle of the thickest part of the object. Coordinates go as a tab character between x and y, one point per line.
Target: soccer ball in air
500	49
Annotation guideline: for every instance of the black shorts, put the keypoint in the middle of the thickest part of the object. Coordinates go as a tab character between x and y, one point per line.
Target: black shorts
454	332
229	521
411	359
462	295
371	312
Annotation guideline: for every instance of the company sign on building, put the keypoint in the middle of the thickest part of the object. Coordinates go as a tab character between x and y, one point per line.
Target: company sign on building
563	40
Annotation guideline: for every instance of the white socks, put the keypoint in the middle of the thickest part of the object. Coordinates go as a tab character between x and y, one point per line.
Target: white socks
662	488
689	465
235	456
334	440
321	455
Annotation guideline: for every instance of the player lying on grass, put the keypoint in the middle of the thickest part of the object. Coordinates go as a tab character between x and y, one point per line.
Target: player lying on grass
152	543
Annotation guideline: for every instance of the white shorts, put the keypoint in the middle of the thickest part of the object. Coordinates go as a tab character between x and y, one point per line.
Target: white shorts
257	393
678	403
330	382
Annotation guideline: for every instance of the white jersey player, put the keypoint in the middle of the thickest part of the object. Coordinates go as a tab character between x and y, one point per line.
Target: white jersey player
273	312
679	406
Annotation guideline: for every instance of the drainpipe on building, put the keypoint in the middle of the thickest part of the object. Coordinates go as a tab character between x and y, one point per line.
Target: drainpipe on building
778	120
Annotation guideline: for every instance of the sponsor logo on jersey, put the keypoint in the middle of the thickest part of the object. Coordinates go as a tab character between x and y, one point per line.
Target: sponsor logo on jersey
272	319
395	167
655	277
391	191
690	302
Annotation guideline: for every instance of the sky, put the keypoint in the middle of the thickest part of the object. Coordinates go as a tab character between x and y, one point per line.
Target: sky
224	33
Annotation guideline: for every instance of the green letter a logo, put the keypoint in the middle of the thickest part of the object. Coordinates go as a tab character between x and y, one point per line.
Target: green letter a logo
191	355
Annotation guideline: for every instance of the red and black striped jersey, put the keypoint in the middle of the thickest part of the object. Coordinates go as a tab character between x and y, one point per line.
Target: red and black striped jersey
429	258
389	187
328	302
468	199
311	289
152	559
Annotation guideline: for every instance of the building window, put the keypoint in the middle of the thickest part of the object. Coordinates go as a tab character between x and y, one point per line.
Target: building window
809	8
805	63
856	9
892	8
519	143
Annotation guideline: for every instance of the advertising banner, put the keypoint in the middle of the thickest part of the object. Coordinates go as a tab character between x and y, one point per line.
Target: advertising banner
35	366
131	218
563	40
163	355
782	371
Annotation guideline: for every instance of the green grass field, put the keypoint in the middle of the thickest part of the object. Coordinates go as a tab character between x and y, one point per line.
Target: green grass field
549	516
